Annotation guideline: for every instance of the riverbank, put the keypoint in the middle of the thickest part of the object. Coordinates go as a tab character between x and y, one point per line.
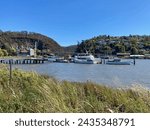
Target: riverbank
31	92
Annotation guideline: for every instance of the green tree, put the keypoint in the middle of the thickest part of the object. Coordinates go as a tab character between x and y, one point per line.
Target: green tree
134	50
147	45
119	48
5	53
1	53
107	50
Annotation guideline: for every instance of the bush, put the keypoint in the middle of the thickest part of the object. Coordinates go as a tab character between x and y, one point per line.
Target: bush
3	52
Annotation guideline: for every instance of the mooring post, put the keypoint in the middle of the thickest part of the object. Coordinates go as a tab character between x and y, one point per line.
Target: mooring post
134	60
104	61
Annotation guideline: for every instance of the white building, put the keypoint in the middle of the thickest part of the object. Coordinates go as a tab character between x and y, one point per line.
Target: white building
32	52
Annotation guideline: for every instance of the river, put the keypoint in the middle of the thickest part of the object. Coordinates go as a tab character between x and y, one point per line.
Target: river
111	75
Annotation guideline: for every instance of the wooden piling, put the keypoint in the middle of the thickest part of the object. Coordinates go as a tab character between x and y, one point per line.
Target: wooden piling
134	60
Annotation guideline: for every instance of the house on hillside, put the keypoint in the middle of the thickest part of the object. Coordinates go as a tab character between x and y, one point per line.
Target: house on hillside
26	52
125	55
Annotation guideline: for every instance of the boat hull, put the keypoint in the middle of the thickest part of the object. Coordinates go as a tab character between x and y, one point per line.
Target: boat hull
118	63
84	62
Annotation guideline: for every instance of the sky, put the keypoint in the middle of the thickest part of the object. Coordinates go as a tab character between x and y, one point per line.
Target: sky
71	21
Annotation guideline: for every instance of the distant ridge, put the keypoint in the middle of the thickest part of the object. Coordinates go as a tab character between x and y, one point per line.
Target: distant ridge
70	49
10	41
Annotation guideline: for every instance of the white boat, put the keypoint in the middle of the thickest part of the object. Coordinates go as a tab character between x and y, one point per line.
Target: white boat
62	60
118	62
85	58
52	58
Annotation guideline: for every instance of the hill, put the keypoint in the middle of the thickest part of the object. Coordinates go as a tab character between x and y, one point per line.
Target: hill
105	44
70	49
13	41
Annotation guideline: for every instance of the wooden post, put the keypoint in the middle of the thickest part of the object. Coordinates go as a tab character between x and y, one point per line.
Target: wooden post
104	61
10	70
101	61
134	60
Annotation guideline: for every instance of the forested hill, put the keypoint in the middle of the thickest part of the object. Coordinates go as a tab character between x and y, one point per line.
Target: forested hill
10	41
106	44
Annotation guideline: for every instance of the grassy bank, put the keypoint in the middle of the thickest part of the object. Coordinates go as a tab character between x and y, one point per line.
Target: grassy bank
30	92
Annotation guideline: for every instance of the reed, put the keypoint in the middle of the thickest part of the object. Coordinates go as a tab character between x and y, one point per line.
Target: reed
31	92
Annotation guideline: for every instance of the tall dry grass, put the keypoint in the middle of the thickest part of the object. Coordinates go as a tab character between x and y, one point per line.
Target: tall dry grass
30	92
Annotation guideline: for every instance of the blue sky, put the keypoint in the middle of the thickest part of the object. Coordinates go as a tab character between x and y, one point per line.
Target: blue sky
69	21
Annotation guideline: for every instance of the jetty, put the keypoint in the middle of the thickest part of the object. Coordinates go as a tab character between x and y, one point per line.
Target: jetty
22	61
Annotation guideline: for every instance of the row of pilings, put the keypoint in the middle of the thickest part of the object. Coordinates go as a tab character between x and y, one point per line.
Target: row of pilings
22	61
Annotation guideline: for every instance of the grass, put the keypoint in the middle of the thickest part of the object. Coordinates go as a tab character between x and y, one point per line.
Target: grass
30	92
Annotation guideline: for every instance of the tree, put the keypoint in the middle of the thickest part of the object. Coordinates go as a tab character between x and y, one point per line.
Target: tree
122	49
119	48
133	41
1	53
134	50
147	45
5	53
107	50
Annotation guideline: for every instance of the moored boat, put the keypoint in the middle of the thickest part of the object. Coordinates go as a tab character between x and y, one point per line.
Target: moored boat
85	58
62	60
52	58
118	62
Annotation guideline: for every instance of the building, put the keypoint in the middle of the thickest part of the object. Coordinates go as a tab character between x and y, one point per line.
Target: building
137	56
126	55
31	52
26	52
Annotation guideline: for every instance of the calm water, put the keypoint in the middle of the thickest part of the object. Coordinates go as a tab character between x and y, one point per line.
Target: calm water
112	75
